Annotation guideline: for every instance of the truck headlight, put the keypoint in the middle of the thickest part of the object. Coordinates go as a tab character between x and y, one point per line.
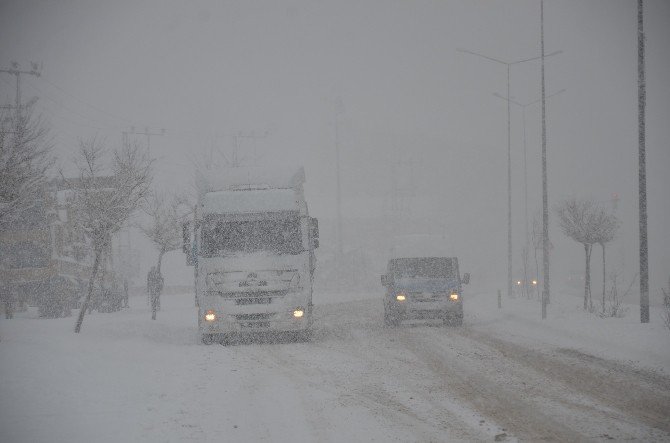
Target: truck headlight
401	297
210	315
298	312
453	296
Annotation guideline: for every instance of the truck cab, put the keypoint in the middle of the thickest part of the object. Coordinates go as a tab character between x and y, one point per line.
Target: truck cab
420	288
252	245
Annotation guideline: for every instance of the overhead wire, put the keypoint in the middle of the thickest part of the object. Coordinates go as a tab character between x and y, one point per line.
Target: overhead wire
49	82
68	109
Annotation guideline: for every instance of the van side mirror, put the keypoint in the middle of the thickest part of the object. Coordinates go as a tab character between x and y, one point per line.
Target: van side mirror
466	278
384	280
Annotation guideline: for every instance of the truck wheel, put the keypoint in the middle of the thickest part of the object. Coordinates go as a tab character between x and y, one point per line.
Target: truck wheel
391	320
208	339
453	321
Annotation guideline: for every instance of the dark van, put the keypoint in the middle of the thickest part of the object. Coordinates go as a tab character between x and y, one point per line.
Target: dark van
423	288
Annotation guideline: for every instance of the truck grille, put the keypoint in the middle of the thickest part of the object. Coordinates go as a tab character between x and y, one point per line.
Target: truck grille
253	301
253	317
250	298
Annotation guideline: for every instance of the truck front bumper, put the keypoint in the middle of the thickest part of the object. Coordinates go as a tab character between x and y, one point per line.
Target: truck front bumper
285	321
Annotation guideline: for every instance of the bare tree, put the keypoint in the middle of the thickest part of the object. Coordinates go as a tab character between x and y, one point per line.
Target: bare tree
164	229
580	221
24	160
606	225
103	203
614	307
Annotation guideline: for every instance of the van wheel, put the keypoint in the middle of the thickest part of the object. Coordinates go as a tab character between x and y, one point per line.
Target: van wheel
305	336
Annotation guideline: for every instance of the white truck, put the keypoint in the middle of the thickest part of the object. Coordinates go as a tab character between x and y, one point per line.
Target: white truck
252	244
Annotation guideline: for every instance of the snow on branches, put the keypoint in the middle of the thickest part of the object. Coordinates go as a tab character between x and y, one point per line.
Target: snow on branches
24	160
105	196
587	223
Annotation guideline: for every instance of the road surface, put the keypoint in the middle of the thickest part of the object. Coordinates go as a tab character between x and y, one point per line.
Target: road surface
126	378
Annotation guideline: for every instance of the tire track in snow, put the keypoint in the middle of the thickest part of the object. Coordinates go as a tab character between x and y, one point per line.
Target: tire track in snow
509	389
636	393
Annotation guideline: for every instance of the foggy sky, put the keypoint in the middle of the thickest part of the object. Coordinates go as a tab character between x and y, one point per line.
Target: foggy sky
206	70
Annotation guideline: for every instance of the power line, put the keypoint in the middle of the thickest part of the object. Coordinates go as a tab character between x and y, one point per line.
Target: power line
14	70
86	103
70	110
146	133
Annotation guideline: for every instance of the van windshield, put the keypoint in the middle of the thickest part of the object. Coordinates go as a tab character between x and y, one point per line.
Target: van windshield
225	237
428	267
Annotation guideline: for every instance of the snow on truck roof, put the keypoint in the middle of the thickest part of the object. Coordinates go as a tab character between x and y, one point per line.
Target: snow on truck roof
249	178
251	201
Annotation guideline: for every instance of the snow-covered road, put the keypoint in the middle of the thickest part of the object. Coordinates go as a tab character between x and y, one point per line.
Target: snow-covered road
126	378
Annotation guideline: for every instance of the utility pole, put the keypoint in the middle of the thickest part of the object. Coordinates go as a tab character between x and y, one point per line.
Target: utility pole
545	194
146	133
523	107
14	70
642	171
339	110
236	161
508	64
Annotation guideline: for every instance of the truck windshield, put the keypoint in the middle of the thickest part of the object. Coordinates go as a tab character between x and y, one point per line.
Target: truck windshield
278	235
430	267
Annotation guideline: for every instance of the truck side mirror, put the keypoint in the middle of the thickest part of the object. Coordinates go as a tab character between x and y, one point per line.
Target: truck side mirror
186	237
314	231
466	278
187	243
384	280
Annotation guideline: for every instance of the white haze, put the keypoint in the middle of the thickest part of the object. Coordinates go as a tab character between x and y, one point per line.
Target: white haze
207	70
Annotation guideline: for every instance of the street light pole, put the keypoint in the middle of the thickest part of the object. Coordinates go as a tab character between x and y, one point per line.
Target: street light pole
509	157
523	107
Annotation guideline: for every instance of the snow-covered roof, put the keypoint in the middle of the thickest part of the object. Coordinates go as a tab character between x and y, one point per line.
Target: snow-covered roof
232	179
252	201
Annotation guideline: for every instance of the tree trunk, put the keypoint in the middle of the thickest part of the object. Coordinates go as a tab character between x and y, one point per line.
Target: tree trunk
160	260
604	274
91	281
154	297
587	276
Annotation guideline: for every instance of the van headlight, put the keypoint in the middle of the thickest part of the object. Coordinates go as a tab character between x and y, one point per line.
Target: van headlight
210	315
453	296
401	297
